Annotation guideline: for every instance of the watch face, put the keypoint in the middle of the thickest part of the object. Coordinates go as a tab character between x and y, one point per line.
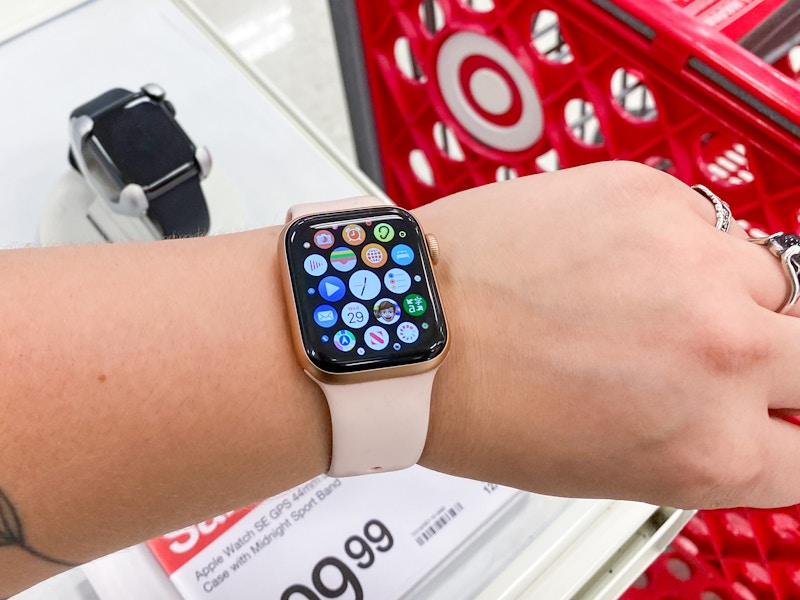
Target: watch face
142	140
364	290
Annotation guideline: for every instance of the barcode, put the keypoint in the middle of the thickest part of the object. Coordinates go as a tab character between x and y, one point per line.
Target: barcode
440	522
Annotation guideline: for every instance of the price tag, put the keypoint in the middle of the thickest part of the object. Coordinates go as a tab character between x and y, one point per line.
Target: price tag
353	538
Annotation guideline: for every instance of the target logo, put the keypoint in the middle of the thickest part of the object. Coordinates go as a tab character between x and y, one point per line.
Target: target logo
488	92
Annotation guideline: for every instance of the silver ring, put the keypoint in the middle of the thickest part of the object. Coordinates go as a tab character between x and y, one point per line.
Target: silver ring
786	248
721	208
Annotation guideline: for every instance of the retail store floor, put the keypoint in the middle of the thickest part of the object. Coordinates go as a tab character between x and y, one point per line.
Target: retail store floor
291	43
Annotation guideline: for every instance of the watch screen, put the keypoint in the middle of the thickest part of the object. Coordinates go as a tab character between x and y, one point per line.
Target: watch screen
142	140
364	290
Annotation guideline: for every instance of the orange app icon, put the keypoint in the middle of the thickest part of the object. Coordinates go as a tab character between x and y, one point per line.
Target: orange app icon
323	239
353	234
374	255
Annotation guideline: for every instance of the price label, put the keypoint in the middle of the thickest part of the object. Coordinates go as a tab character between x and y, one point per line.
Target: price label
360	550
354	538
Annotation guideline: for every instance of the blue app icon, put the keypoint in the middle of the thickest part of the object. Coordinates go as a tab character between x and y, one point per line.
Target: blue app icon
325	315
332	289
403	255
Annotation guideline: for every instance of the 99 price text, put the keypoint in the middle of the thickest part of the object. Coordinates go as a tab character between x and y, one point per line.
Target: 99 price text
360	550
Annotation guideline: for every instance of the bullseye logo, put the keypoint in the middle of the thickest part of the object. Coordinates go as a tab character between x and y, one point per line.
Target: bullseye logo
488	92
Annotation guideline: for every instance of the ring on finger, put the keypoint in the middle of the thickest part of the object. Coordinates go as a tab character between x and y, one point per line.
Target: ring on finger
786	248
721	208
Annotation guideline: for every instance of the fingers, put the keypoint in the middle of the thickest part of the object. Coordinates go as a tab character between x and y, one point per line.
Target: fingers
779	335
765	275
779	480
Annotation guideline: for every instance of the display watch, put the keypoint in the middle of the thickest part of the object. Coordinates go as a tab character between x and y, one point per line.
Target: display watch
137	158
368	326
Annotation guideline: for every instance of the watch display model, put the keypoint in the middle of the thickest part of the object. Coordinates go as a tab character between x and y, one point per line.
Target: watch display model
367	324
137	158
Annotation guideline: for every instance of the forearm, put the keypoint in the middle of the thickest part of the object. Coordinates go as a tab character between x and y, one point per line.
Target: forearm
145	387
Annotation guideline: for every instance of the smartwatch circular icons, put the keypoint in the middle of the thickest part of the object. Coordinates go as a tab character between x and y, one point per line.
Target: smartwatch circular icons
383	232
374	255
403	255
397	281
387	311
332	288
353	234
344	340
376	337
415	305
355	315
343	259
364	284
315	264
323	239
407	332
325	316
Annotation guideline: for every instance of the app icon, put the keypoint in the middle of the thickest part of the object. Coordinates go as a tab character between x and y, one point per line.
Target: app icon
403	255
325	316
407	332
355	315
332	288
353	234
376	337
315	264
397	281
384	232
386	311
323	239
365	285
343	259
374	255
344	340
415	305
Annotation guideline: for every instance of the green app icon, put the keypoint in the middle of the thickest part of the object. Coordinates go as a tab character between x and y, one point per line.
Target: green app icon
415	305
384	232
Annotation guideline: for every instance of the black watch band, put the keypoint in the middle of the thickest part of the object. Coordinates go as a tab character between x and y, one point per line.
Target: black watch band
176	206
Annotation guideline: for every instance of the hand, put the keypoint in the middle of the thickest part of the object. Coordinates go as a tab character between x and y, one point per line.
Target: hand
608	341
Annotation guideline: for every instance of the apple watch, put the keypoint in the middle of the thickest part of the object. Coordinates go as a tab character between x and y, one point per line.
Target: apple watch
367	325
137	158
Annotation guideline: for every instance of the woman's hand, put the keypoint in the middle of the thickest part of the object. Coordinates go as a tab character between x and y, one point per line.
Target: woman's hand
608	341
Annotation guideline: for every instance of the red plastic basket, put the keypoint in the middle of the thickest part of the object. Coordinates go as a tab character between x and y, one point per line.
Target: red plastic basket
469	92
568	73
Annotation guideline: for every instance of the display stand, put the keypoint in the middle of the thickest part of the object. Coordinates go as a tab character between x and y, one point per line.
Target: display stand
73	214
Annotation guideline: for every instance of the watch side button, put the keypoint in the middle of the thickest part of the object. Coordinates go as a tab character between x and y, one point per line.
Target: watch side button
433	247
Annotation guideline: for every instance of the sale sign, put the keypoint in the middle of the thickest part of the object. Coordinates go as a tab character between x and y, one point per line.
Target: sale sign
352	538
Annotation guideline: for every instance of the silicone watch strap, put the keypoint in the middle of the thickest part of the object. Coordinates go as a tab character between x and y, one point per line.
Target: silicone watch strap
312	208
179	212
378	426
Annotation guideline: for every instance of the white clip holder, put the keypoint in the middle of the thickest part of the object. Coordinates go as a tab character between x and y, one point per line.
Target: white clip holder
74	214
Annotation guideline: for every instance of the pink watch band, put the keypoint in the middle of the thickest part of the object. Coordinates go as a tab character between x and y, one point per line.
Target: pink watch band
380	425
312	208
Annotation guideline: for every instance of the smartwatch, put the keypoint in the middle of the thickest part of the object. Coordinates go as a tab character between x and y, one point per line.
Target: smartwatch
367	325
137	158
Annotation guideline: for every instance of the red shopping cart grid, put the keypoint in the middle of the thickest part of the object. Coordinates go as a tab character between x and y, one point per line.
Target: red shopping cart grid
467	92
609	80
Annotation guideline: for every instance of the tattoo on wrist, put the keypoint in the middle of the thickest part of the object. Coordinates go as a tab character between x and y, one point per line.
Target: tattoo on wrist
13	534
